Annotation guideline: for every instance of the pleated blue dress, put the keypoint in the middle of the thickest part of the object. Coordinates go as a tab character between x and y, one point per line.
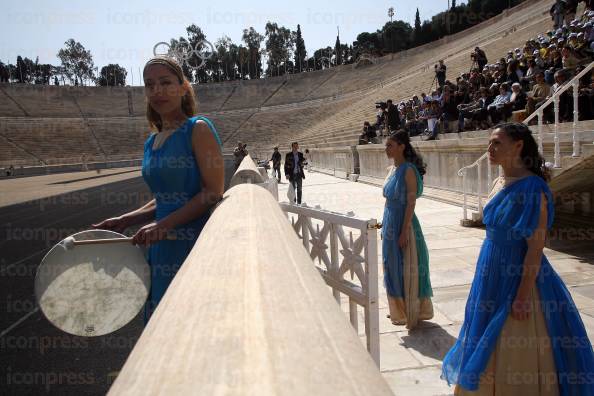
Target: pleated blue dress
511	217
174	178
395	193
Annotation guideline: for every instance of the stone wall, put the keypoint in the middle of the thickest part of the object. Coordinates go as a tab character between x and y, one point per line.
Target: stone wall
336	161
444	158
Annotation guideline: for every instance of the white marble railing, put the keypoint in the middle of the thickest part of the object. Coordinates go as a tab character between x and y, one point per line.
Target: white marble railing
249	314
555	100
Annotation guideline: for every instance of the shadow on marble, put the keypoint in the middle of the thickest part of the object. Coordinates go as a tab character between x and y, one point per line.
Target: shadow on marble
428	341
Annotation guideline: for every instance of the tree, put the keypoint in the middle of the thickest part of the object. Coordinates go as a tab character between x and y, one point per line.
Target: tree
367	42
322	58
4	72
338	51
253	41
196	40
23	70
417	29
112	75
300	52
222	59
77	62
279	44
396	36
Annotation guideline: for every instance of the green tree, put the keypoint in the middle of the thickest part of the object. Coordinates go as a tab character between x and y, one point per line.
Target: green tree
4	72
196	39
279	44
112	75
300	52
338	51
322	57
224	63
367	42
23	67
397	36
417	29
253	63
77	61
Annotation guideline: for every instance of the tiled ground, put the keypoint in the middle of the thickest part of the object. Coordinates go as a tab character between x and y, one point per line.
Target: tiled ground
411	361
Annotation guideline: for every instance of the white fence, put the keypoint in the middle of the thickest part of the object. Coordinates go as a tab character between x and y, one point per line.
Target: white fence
345	256
484	186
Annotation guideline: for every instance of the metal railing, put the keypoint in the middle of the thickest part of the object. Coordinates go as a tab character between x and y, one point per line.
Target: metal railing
482	190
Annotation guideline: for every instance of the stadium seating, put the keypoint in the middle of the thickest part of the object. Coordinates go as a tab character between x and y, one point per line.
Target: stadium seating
51	138
120	135
102	101
320	108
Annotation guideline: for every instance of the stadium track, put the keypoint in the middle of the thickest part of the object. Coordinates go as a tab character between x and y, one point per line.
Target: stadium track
35	357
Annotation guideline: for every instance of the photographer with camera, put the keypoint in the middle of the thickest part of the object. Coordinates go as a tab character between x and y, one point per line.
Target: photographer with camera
440	73
479	58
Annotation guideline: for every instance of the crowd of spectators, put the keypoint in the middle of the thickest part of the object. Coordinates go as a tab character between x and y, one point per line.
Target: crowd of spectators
513	87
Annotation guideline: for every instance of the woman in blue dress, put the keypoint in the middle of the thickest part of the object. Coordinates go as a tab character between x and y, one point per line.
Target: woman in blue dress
183	167
404	252
522	334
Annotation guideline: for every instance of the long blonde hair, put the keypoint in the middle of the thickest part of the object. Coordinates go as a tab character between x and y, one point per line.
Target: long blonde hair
188	103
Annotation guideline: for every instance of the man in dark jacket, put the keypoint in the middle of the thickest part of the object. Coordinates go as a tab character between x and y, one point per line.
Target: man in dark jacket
392	116
276	164
294	169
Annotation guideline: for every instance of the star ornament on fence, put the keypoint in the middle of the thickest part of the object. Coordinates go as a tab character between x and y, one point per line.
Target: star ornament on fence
185	53
318	243
352	256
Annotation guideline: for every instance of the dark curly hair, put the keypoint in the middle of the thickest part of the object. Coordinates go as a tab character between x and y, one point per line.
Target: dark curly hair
531	158
410	154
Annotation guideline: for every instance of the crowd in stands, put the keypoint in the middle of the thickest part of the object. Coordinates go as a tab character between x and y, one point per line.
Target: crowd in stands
513	87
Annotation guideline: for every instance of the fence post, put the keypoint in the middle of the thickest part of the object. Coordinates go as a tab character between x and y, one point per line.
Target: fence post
557	155
372	311
576	138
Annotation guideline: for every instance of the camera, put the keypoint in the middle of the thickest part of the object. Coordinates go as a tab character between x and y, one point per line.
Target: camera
381	105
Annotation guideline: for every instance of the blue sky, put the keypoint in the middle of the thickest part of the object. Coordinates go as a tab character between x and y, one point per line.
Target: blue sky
125	32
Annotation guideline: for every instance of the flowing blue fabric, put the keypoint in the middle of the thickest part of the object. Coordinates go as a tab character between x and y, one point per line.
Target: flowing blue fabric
174	178
395	193
511	217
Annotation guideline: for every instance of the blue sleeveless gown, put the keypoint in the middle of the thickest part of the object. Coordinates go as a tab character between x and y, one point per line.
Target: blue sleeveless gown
511	217
173	176
395	194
